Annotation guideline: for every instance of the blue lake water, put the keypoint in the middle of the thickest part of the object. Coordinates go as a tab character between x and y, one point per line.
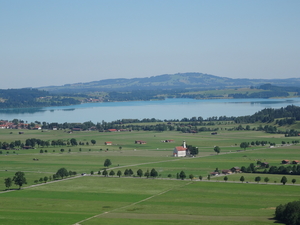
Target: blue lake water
167	109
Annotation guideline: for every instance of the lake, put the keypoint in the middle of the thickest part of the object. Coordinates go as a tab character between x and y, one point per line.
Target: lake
167	109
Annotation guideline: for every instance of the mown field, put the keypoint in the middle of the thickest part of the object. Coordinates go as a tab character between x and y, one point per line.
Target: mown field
134	200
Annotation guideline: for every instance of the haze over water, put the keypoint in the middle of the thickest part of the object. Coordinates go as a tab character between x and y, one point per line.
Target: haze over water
167	109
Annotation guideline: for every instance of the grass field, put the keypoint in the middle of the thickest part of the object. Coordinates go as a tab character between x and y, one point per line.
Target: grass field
131	200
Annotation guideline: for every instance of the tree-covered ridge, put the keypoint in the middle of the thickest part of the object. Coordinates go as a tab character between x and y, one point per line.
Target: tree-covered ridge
270	114
168	81
29	97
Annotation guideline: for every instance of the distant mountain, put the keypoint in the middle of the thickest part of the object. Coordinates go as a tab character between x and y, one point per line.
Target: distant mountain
168	81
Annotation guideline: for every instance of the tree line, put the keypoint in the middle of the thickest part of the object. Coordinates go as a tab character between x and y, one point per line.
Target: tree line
30	97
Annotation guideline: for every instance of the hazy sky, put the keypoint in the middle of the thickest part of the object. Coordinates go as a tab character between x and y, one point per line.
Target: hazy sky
52	42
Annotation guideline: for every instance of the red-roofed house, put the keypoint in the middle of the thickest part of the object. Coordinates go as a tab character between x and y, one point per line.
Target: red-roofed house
180	151
112	130
108	143
295	162
285	161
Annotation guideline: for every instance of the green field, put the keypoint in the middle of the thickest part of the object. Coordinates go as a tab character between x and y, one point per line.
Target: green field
133	200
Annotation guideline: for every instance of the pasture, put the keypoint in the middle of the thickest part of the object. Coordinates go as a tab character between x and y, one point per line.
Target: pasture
134	200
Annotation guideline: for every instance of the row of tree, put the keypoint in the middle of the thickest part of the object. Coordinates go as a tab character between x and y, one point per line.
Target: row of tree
33	142
292	170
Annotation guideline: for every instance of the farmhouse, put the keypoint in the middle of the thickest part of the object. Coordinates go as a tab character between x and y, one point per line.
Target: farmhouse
140	142
285	161
108	143
226	172
214	173
180	151
235	169
295	162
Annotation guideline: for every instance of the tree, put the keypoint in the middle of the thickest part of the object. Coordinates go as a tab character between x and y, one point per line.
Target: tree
182	175
104	173
242	179
92	172
111	173
107	163
130	172
45	179
119	173
73	141
8	182
93	142
169	175
126	172
147	174
208	177
19	179
283	180
62	172
288	213
266	179
217	149
244	145
200	177
257	179
191	176
225	178
294	181
139	172
192	149
153	173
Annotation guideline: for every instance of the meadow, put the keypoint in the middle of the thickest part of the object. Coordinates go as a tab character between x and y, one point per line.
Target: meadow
95	199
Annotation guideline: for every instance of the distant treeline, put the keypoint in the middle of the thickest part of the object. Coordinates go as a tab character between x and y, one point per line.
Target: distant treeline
29	97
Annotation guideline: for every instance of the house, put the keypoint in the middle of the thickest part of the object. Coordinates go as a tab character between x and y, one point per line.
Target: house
295	162
112	130
226	172
169	141
264	164
214	173
235	169
214	133
285	161
180	151
140	142
108	143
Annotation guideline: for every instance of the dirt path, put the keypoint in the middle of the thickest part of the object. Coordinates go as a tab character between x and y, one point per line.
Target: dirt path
132	204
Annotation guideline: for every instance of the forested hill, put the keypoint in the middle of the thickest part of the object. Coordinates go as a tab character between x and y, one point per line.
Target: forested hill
167	81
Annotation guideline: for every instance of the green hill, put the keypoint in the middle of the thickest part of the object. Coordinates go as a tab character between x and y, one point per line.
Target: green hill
169	81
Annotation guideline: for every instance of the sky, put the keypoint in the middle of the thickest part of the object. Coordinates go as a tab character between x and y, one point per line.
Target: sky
45	43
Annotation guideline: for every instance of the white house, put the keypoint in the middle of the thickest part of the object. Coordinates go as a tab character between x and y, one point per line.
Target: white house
180	151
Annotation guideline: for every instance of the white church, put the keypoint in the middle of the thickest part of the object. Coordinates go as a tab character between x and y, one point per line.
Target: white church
180	151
